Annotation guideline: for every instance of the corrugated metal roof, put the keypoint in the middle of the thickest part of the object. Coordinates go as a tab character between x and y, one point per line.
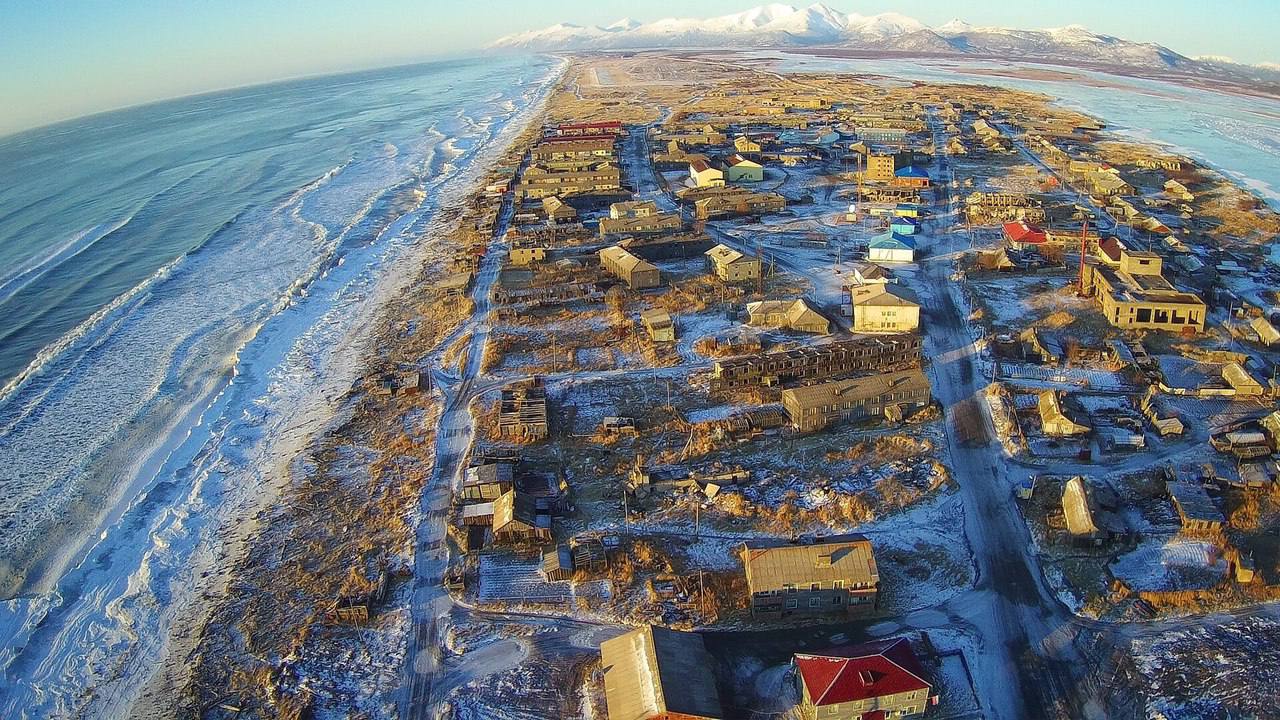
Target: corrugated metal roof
868	386
651	671
849	558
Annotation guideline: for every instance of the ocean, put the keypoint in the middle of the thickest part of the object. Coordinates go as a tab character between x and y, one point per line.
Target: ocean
182	288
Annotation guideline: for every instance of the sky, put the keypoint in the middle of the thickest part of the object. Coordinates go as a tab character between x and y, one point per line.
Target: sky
65	58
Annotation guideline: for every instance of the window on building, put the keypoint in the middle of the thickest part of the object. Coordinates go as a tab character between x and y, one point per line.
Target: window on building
815	586
793	603
813	602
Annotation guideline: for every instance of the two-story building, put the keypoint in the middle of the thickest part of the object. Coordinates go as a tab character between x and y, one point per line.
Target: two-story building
872	681
837	576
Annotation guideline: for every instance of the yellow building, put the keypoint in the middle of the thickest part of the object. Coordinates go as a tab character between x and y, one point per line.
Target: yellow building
791	314
883	307
657	322
704	174
744	144
527	255
880	168
1135	295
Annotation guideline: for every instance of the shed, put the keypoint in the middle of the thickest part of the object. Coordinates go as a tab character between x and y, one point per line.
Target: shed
657	322
557	564
1194	506
1053	420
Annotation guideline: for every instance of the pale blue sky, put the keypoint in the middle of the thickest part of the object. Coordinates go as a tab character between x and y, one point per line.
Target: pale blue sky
64	58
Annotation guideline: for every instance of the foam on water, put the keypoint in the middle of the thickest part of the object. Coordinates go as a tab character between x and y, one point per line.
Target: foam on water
230	359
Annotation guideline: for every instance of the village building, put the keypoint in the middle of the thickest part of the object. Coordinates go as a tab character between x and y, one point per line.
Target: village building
1241	381
817	362
836	576
891	247
1053	421
1108	251
601	127
558	211
744	144
1021	236
731	266
1267	333
790	314
487	482
883	135
1178	191
722	202
704	174
872	681
1089	510
880	167
638	274
522	411
557	564
539	182
632	209
883	307
551	150
911	176
1159	163
904	226
738	169
865	273
522	255
1195	508
642	224
653	673
887	395
657	322
1135	295
516	518
1107	183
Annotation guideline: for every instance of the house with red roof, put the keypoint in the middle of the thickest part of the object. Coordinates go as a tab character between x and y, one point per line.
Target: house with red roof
1108	251
872	681
1021	236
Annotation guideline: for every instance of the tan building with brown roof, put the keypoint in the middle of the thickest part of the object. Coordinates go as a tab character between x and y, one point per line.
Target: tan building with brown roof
883	307
653	673
638	274
657	322
790	314
1135	295
836	576
885	395
732	266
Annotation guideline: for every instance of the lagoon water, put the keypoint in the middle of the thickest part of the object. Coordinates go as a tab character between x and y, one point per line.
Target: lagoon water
1237	135
181	289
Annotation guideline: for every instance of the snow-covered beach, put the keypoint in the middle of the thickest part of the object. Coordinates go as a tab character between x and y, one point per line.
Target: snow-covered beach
187	455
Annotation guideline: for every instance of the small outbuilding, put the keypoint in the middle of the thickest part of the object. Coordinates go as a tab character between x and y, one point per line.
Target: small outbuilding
891	247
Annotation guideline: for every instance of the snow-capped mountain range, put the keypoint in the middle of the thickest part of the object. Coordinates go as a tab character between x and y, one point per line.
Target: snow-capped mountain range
777	25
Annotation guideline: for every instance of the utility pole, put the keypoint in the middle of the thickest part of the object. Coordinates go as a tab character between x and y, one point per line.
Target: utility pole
1084	242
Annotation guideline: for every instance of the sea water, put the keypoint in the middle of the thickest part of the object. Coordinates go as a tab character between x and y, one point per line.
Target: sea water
182	289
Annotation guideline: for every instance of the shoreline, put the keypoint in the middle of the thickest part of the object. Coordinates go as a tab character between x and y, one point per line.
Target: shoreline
426	256
216	537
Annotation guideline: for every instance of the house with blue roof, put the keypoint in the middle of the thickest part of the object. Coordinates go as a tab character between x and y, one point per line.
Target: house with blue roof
891	247
911	176
904	226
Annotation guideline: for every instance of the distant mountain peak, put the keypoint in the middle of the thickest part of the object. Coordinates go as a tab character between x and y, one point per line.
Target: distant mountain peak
782	25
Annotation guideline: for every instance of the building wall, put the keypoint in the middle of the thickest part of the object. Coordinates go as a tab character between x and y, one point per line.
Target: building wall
743	270
907	704
806	601
875	318
739	173
890	255
811	418
525	256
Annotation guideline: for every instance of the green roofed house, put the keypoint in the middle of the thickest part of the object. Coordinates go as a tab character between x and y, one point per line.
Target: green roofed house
891	247
653	673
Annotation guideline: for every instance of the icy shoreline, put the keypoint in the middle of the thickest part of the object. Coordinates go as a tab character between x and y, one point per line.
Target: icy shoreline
98	637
